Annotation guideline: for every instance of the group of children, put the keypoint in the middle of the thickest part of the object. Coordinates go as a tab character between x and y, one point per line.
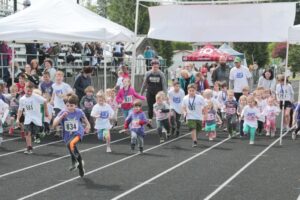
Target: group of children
55	104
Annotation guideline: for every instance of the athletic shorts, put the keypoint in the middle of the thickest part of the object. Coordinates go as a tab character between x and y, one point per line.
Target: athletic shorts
194	124
32	128
103	134
210	128
56	111
287	104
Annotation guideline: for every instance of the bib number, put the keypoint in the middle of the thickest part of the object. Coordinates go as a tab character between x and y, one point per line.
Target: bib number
136	124
128	99
192	107
71	126
29	107
176	99
104	115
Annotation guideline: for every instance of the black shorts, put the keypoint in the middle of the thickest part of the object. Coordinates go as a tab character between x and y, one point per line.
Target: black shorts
32	128
287	104
56	110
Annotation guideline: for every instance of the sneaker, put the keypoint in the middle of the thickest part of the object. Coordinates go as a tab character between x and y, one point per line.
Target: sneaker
108	150
74	166
177	133
28	151
11	131
251	142
81	168
210	139
294	135
268	134
194	144
42	134
229	136
37	140
162	140
141	150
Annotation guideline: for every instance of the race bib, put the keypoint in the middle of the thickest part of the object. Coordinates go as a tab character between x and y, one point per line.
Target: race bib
192	107
71	125
128	99
88	104
29	107
231	110
135	124
210	117
176	99
239	75
251	117
104	114
154	79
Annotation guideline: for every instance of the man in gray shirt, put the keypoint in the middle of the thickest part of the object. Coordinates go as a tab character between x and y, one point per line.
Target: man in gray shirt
221	73
154	82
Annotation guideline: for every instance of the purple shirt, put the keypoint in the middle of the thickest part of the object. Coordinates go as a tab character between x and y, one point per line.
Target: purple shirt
134	120
72	124
47	87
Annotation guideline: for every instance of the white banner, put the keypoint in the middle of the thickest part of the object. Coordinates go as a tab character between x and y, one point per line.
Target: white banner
268	22
294	34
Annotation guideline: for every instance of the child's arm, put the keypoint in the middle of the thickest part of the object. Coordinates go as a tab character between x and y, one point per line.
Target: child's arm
219	120
81	103
5	113
136	95
52	99
46	109
87	124
58	119
127	122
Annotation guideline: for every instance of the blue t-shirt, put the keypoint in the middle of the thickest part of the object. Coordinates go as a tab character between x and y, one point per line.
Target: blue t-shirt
72	125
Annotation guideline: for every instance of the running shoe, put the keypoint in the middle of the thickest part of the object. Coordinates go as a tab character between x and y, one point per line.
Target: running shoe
81	168
294	135
28	151
141	150
108	150
162	140
194	144
74	166
251	142
11	131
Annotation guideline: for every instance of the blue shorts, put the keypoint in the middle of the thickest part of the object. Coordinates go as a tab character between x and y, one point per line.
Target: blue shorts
103	134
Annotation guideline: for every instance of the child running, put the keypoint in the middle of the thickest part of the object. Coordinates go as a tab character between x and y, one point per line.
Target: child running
30	104
13	108
261	104
193	106
175	96
231	113
3	115
47	120
270	112
103	113
136	121
211	118
241	106
87	103
126	96
71	118
250	114
161	110
111	100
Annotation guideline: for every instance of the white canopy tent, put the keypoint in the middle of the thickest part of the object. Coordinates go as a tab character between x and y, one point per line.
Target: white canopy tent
61	21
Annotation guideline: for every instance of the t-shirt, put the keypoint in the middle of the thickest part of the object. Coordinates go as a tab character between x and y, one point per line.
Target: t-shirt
59	90
284	92
240	77
175	99
46	87
230	107
270	112
13	104
222	98
251	116
3	111
216	95
211	117
50	111
102	113
157	109
194	106
261	105
71	124
120	83
32	109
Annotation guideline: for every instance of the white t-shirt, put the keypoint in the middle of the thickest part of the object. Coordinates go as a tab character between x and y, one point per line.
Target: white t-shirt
284	92
216	94
251	116
102	113
240	78
58	92
175	99
32	109
4	110
194	106
120	83
261	105
50	112
270	112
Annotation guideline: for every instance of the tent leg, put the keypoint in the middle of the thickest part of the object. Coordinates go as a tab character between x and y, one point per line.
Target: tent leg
134	43
285	78
13	64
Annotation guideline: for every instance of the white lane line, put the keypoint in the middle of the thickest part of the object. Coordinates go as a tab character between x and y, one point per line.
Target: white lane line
56	159
242	169
167	171
98	169
12	139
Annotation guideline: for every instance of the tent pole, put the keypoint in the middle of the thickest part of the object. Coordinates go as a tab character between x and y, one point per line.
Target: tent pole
285	79
13	64
134	43
105	73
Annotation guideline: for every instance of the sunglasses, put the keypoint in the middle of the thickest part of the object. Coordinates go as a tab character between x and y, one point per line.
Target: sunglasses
155	63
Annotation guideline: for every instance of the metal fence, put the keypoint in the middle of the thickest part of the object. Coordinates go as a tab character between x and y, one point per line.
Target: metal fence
72	65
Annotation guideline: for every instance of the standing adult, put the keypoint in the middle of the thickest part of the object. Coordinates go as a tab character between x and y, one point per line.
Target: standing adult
186	79
35	66
221	73
4	54
83	81
31	52
154	82
267	80
49	68
239	78
148	55
7	76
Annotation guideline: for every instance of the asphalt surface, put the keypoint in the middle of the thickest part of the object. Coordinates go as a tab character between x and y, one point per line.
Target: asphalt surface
225	169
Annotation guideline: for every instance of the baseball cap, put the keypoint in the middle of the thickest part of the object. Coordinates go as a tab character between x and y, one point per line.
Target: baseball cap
237	59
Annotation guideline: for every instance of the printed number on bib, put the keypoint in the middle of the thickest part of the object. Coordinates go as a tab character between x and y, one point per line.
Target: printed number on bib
192	107
128	99
239	75
29	107
136	124
71	126
230	110
176	99
104	115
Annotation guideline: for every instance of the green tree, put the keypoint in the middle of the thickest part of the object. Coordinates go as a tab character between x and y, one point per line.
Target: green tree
182	46
257	52
294	59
